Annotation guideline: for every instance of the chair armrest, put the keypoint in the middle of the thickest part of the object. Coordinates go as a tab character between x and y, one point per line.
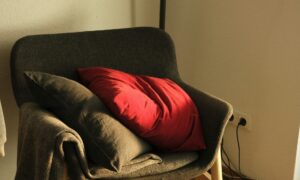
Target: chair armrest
214	115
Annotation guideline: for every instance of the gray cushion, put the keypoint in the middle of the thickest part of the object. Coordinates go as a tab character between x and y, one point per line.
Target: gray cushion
170	162
107	141
41	123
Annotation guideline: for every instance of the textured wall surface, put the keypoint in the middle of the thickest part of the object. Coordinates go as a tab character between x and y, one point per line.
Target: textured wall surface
246	52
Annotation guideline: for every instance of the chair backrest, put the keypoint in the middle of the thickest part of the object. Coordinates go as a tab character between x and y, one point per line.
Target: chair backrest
143	50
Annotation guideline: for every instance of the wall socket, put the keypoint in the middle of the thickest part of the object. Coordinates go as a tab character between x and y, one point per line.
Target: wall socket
237	115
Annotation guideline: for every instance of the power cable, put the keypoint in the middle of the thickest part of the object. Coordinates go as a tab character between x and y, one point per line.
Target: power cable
233	174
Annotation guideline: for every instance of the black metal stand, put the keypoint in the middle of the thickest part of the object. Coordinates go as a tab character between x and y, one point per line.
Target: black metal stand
162	14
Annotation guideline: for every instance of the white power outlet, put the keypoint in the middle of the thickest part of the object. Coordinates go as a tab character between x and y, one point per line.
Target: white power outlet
237	115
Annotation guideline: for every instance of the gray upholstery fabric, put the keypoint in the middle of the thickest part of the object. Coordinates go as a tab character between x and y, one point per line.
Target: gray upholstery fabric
35	148
107	141
45	142
148	51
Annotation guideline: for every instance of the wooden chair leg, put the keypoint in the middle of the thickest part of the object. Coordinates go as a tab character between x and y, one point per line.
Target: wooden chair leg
216	169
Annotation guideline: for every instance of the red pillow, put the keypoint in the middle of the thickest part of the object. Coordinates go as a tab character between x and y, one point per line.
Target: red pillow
156	109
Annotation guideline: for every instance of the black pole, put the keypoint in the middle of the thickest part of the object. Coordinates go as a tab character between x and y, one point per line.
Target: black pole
162	14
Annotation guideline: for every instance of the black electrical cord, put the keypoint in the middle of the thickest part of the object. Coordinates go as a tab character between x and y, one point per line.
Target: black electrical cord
227	158
233	173
242	122
239	148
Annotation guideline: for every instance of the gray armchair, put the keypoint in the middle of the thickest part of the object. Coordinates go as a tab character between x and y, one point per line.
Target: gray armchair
148	51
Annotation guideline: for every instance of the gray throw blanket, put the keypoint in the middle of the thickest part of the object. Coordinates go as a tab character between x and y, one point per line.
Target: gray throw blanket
42	141
46	145
40	144
2	132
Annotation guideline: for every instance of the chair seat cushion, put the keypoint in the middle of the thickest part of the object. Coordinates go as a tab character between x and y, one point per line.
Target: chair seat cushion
108	142
154	108
171	162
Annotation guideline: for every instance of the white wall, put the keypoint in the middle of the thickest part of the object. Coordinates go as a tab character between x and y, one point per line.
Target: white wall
20	18
247	52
